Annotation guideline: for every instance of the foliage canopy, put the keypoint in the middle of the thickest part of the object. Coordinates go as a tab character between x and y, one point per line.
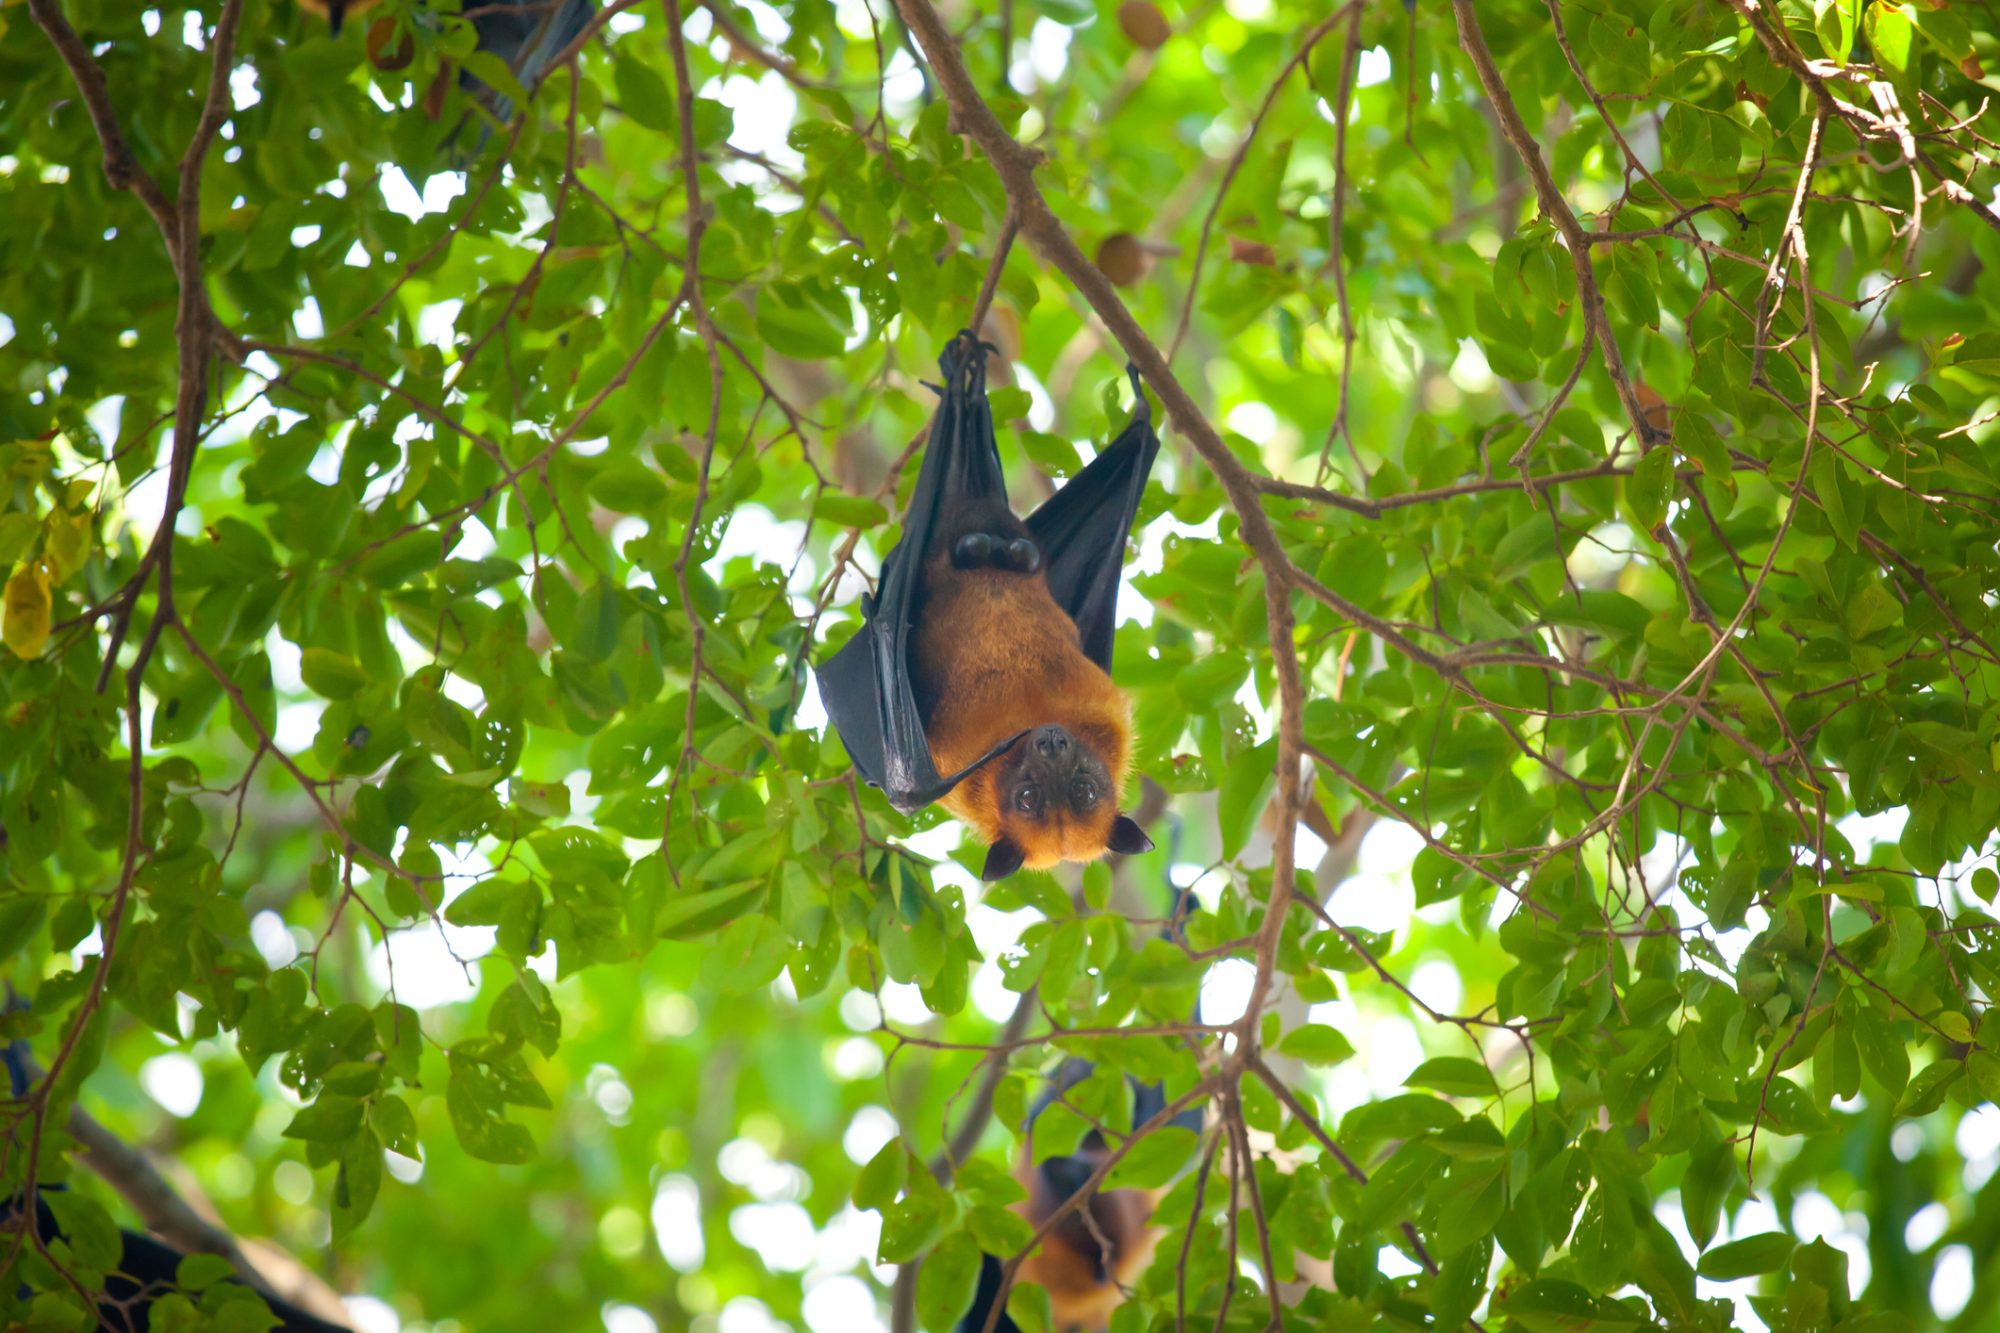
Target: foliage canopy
1579	498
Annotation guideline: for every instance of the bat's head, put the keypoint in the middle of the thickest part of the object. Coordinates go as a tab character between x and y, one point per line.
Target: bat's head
1055	798
335	12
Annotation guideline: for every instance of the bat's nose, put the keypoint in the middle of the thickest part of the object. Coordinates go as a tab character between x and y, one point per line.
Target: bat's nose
1051	740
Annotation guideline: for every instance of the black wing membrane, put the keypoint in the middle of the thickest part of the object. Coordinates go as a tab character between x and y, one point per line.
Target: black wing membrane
866	686
1082	529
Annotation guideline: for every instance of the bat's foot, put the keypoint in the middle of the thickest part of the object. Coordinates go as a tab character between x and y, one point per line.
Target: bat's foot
984	550
974	551
1020	555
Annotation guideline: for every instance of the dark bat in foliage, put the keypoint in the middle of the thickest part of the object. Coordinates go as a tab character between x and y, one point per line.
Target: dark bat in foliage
146	1267
981	677
527	34
1090	1258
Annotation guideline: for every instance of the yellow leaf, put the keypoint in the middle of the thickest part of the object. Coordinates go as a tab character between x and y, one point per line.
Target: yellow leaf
26	628
68	543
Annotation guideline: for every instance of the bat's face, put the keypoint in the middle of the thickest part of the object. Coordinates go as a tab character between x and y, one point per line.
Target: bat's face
1056	800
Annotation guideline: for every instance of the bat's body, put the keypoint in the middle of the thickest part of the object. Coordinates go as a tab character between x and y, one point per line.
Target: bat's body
1088	1260
996	657
981	678
527	34
1086	1263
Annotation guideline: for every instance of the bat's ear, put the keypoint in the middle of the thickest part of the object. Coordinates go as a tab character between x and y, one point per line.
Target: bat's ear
1127	838
1003	858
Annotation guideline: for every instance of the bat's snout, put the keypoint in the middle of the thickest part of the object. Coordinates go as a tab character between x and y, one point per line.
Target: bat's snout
1050	741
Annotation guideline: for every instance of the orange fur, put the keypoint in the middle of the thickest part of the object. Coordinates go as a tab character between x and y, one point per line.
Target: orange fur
324	9
1008	658
1062	1266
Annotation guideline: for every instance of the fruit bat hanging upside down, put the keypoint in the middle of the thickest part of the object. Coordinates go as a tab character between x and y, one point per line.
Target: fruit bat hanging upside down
981	677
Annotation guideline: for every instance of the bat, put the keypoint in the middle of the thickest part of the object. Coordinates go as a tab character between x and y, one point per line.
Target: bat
527	34
1088	1259
146	1267
980	677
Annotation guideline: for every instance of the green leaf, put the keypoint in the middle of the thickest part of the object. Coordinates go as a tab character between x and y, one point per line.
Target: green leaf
1766	1253
1549	1306
330	1118
1455	1076
1883	1051
1650	487
1926	1091
1316	1044
881	1180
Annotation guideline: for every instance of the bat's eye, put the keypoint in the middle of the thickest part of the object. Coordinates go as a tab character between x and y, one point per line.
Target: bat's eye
1028	800
1084	794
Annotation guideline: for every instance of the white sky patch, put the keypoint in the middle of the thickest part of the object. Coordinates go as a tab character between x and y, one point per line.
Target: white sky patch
628	1319
1978	1142
764	109
867	1132
629	21
371	1316
1951	1281
1372	68
841	1304
1867	832
1225	991
1926	1227
1254	421
193	35
859	1011
676	1218
174	1081
854	18
296	725
1041	407
746	1314
1437	984
753	532
1392	1263
426	975
902	84
402	197
1046	58
780	1233
904	1004
811	712
243	87
1307	848
306	321
1470	370
305	235
1379	896
745	1162
273	939
849	1239
854	1059
437	322
1906	1140
996	933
